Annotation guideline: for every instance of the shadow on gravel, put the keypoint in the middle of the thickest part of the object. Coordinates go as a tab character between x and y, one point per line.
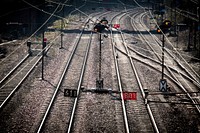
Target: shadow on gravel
114	32
135	32
70	31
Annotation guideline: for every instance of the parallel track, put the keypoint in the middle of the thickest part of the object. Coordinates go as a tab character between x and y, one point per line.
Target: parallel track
14	79
60	84
140	113
179	74
72	76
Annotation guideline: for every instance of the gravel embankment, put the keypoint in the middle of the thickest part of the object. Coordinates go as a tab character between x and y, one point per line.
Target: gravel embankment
31	98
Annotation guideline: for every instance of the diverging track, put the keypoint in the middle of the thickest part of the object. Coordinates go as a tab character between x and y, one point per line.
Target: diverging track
145	57
137	115
14	79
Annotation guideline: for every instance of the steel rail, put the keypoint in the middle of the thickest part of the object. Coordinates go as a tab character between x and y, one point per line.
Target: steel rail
71	121
147	64
127	129
79	85
18	85
168	67
170	54
159	63
178	81
134	25
63	76
180	85
195	82
139	82
9	96
195	102
60	82
120	87
157	55
177	51
17	66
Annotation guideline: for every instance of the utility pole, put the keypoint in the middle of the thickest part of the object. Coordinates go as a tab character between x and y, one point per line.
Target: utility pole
164	28
61	36
198	28
175	22
99	28
100	80
44	41
99	56
163	49
61	30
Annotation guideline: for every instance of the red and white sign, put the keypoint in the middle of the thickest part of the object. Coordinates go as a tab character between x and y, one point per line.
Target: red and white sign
116	26
129	95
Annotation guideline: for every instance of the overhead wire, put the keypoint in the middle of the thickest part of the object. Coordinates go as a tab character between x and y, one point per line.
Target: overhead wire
32	34
3	15
179	11
189	14
63	4
169	40
42	49
174	50
78	9
195	1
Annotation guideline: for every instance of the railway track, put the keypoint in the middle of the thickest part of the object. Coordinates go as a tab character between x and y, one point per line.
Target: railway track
151	61
77	55
171	55
181	75
15	78
127	70
136	115
72	78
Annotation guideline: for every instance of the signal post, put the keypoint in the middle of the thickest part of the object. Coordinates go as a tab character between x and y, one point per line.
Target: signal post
99	29
162	29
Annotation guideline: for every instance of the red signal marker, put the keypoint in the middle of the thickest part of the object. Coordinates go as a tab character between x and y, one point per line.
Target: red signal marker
129	95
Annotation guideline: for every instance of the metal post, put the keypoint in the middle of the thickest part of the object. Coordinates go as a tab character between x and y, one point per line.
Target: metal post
99	56
178	28
43	55
163	45
99	81
175	22
163	48
61	35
